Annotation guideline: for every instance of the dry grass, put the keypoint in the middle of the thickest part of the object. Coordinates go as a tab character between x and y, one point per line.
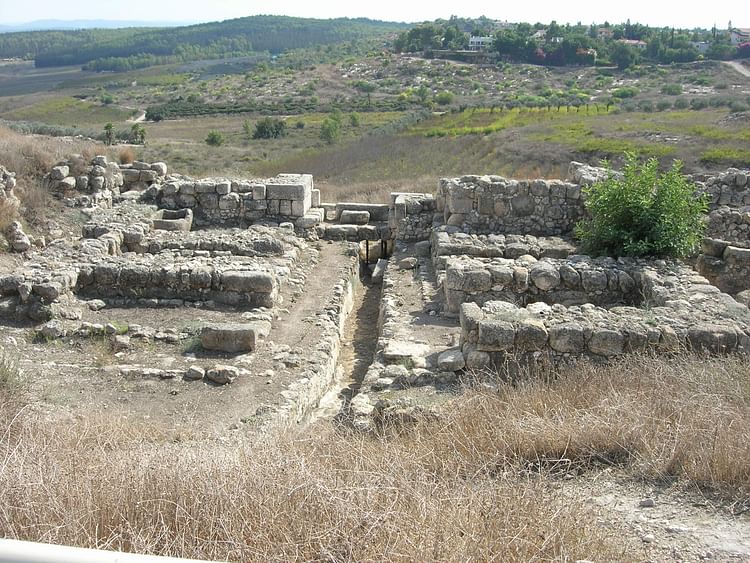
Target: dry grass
686	418
478	483
31	157
126	155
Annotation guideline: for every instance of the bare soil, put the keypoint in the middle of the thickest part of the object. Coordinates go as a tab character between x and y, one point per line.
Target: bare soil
71	377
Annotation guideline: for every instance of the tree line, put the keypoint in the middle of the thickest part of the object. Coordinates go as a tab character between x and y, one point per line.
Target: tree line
126	49
559	45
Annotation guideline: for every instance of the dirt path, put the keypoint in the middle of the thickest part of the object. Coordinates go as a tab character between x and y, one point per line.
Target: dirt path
670	524
739	67
141	117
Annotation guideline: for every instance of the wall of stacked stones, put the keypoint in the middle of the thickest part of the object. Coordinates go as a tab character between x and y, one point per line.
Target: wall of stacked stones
231	202
412	216
573	281
725	252
493	204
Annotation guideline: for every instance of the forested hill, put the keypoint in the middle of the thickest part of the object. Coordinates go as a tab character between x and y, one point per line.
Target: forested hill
124	49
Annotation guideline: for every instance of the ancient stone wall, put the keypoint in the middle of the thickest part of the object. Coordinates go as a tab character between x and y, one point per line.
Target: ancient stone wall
411	216
725	252
493	204
230	202
683	311
83	183
573	281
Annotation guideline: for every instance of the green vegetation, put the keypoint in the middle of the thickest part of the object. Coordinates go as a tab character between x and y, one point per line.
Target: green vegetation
214	139
727	156
643	213
557	45
127	49
270	128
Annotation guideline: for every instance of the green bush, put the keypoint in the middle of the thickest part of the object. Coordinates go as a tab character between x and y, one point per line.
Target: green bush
215	139
681	103
671	89
644	213
270	128
330	131
444	98
625	92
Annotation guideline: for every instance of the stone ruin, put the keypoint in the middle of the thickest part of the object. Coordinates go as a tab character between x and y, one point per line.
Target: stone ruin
490	261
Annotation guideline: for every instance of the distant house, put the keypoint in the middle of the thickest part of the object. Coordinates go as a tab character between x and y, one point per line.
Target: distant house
555	39
701	46
504	24
480	43
539	35
604	33
638	44
739	35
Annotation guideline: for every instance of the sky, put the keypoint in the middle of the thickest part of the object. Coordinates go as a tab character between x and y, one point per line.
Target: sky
684	14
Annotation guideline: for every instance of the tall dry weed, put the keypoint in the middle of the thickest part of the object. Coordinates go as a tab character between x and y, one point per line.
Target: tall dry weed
476	483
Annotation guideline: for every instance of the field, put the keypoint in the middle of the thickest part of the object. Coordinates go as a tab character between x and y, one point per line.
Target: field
500	119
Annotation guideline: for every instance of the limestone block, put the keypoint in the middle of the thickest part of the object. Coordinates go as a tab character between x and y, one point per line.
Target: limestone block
229	201
523	205
713	247
315	198
194	373
140	165
208	201
234	337
82	183
160	168
350	217
96	183
567	338
451	360
69	183
607	342
501	275
259	191
148	176
298	192
170	189
470	316
222	374
59	172
495	336
223	188
712	337
130	176
285	207
594	280
468	280
545	276
520	279
298	209
531	336
205	187
407	263
248	281
98	170
476	359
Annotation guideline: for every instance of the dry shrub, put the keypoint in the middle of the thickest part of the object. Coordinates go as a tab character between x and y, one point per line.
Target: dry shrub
473	484
8	213
329	496
686	417
31	157
126	155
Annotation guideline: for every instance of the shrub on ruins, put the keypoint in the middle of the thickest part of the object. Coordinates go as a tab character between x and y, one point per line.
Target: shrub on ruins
644	212
270	128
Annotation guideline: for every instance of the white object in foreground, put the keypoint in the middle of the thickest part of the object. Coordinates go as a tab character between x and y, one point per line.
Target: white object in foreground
14	551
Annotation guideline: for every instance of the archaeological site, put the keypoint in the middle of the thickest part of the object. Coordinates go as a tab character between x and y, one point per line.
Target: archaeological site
241	303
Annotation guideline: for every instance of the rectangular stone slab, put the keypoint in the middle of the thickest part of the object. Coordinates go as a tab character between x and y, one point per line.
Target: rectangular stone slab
234	337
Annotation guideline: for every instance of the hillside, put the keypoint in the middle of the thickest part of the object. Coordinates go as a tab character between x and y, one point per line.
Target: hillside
126	49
